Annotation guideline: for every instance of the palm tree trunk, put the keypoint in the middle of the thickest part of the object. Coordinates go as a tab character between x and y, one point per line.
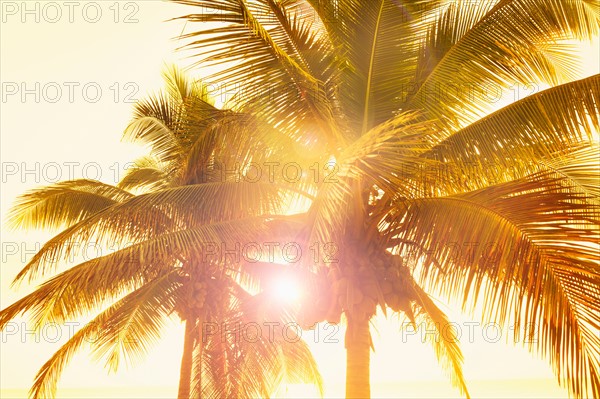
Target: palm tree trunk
200	348
358	356
185	375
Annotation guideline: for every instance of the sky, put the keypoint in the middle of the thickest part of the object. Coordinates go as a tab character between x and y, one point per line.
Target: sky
70	75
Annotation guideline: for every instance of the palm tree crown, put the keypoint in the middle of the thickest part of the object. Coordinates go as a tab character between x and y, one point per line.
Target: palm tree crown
387	109
159	268
400	94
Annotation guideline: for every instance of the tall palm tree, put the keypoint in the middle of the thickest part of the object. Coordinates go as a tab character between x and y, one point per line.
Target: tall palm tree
161	266
401	96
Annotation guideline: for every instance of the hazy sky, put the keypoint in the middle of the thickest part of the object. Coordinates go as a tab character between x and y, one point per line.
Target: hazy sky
70	73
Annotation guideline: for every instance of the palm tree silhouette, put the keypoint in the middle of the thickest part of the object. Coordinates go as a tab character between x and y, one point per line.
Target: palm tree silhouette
159	267
401	95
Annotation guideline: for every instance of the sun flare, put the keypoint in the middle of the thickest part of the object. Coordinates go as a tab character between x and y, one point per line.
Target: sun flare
287	289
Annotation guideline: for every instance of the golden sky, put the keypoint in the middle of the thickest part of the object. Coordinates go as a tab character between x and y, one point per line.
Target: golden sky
69	75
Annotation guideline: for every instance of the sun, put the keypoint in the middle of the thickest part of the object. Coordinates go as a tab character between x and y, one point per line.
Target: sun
287	289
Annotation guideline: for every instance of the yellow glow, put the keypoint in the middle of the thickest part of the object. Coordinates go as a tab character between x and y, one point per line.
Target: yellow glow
287	289
85	133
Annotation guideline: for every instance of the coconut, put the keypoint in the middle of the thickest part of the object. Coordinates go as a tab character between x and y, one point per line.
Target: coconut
357	296
398	285
370	289
391	273
342	285
386	287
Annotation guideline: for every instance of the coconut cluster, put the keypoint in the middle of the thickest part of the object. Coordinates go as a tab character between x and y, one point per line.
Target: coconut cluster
319	304
378	281
197	295
357	288
203	293
393	280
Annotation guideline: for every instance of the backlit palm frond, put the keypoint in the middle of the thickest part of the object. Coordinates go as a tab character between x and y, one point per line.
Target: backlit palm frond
387	152
147	215
154	124
252	350
241	147
326	219
378	41
445	341
64	204
581	167
295	28
287	355
147	174
147	179
86	286
529	248
168	121
514	140
298	364
499	50
450	22
563	57
153	299
254	64
179	86
376	158
134	327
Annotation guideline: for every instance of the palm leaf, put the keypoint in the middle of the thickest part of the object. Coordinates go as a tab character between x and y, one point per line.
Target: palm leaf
84	287
534	253
444	341
261	67
147	215
153	298
512	141
475	57
64	204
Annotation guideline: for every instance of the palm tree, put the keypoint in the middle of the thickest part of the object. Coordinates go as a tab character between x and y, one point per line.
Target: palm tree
161	267
401	96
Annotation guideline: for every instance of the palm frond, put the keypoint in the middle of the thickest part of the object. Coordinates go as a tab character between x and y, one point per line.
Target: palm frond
155	124
512	141
581	167
149	179
147	215
467	61
166	121
64	204
444	341
256	352
530	248
88	285
270	72
154	298
378	41
131	330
